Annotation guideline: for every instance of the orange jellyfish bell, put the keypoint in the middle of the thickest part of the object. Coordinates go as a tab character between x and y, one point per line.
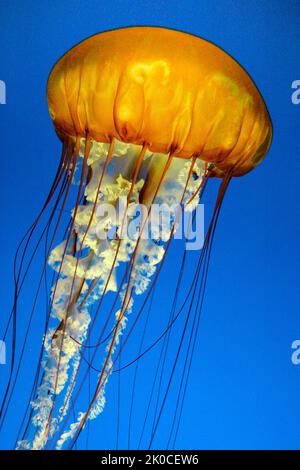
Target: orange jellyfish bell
167	89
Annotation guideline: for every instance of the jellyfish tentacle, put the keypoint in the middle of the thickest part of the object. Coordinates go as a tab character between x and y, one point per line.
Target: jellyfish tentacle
27	330
171	234
107	160
32	393
128	265
170	324
132	260
70	303
17	290
192	339
72	172
139	161
69	171
210	232
17	274
148	191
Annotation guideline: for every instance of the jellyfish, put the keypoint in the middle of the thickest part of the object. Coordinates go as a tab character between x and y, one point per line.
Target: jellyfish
147	116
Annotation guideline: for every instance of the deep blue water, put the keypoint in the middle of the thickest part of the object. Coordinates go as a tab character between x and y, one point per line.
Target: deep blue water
244	389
